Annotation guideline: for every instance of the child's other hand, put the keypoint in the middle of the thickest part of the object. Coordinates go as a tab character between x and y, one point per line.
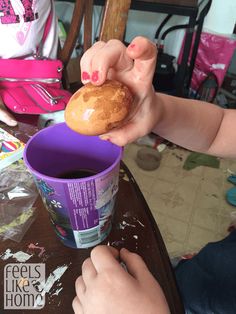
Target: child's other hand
5	116
105	287
134	66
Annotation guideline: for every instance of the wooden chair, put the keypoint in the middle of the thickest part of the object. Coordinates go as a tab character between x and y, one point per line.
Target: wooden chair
113	24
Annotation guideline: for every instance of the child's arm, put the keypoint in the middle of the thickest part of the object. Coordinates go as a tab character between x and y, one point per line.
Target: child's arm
196	125
192	124
5	116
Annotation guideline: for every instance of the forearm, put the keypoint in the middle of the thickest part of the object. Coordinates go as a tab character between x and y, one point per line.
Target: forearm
195	125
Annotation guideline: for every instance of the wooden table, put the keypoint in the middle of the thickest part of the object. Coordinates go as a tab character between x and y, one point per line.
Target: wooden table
133	227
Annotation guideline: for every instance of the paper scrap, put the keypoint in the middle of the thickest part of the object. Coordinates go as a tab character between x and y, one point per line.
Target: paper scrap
19	256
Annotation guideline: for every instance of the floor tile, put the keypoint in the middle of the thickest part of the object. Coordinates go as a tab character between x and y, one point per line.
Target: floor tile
189	206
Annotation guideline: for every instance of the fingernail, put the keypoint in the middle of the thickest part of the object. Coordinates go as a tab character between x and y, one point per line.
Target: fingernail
85	76
95	76
104	138
131	46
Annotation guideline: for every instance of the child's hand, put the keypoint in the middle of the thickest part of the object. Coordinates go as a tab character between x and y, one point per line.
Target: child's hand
5	116
105	287
134	66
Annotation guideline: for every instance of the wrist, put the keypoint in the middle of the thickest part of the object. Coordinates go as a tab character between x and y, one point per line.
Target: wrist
156	108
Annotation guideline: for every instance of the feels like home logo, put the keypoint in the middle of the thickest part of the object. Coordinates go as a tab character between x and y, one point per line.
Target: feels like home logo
23	286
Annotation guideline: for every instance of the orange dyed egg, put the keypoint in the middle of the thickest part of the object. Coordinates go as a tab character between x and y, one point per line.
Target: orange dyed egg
95	110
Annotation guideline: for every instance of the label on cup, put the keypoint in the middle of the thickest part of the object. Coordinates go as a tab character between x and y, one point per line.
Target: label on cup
91	206
81	211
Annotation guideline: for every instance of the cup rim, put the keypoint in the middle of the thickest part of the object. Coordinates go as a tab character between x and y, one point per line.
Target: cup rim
62	180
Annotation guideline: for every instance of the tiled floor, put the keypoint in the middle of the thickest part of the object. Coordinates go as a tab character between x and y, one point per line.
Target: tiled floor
189	205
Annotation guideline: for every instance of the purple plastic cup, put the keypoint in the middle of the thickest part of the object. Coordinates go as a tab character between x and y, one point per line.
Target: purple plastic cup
80	209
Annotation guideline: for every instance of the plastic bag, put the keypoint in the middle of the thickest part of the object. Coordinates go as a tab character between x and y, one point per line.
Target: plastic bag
214	54
17	195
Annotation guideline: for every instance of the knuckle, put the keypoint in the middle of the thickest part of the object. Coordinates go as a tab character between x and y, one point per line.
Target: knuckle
113	279
74	302
77	282
99	43
97	250
86	264
110	277
115	42
76	305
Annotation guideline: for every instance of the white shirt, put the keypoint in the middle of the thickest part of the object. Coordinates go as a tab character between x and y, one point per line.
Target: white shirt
22	26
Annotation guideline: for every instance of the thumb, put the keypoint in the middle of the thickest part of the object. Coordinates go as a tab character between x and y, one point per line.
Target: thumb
144	54
124	135
135	265
104	257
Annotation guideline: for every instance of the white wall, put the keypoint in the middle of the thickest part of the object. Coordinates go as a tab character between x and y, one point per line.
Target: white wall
220	19
146	24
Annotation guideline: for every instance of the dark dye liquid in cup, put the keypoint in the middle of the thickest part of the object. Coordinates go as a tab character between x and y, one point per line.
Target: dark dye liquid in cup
77	174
